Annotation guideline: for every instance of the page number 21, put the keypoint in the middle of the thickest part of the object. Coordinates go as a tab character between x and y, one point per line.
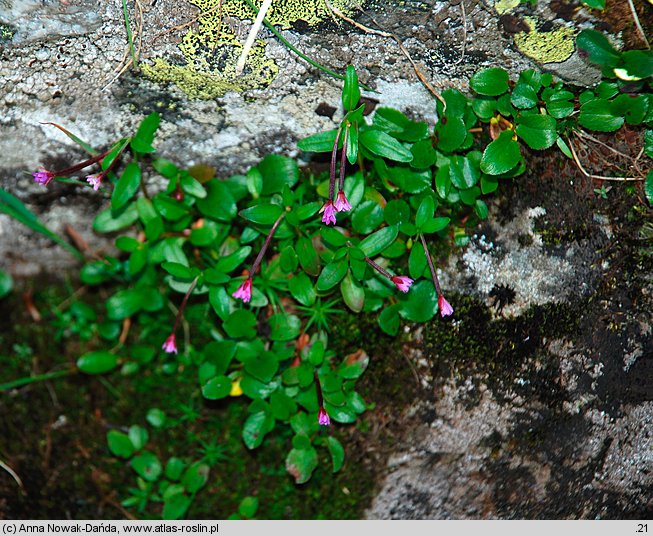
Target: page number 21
642	527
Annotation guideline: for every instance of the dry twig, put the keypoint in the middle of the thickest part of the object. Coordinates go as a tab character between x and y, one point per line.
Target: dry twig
597	177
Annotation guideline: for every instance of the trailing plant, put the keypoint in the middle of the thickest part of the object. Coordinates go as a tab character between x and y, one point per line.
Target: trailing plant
238	279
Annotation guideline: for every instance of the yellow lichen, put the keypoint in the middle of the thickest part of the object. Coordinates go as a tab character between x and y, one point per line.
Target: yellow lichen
503	6
211	52
552	46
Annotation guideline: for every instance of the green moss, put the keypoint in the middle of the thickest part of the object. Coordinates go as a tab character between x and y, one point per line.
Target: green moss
480	346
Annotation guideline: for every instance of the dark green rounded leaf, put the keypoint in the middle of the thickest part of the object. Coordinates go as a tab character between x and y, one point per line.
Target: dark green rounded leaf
501	155
490	82
97	362
596	114
175	507
420	304
538	131
217	388
301	463
377	242
195	477
119	444
147	466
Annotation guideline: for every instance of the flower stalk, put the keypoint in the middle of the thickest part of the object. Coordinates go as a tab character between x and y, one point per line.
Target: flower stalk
170	344
443	304
244	291
322	417
402	282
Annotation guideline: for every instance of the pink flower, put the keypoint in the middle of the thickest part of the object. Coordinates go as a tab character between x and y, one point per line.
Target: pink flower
244	291
402	282
341	202
329	212
323	417
445	307
95	181
43	177
170	345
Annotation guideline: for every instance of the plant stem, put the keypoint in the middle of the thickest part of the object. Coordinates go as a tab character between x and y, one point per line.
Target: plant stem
436	282
378	268
332	171
33	379
252	36
268	239
343	160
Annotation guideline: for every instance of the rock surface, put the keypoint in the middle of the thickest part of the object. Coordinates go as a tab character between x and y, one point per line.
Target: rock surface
60	61
536	400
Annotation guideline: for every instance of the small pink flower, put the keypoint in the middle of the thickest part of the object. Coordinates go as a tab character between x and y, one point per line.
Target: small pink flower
402	282
341	203
244	291
329	212
43	177
323	417
170	345
445	307
95	181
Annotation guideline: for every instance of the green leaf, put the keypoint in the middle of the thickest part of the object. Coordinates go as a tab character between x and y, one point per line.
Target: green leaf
451	133
523	96
598	47
196	477
174	468
192	186
322	142
176	506
218	204
538	131
288	260
254	429
138	436
278	171
331	274
378	241
301	463
241	324
425	211
97	362
217	388
156	418
284	327
424	155
435	225
632	108
559	104
490	82
337	453
301	288
308	257
501	155
648	187
6	284
384	145
594	4
648	143
177	269
147	466
264	214
248	507
254	182
127	186
464	170
169	208
142	140
352	293
231	262
416	261
389	320
481	209
367	217
420	304
596	114
351	93
119	444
